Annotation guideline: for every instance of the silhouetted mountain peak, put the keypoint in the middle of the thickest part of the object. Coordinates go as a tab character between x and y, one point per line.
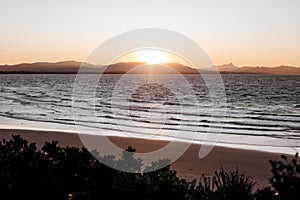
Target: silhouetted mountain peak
227	66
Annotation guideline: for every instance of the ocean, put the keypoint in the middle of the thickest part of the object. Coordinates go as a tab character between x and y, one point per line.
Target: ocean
262	112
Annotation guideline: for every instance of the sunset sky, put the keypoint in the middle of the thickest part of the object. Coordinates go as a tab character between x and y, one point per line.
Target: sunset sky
264	33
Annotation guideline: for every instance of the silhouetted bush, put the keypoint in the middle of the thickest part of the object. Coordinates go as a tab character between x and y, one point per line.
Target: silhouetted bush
225	185
55	172
286	177
52	172
266	194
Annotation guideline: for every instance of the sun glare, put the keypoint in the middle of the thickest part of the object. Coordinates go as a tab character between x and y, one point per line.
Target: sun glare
152	56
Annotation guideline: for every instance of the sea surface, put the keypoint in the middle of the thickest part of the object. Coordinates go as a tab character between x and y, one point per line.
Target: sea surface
260	112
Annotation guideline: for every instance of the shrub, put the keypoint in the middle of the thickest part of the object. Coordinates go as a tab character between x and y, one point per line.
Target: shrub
56	172
286	177
266	193
51	173
225	185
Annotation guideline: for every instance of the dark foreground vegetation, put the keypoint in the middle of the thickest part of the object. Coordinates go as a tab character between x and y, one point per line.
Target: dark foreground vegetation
55	172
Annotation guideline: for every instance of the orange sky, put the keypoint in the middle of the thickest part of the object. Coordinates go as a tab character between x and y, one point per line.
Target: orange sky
252	33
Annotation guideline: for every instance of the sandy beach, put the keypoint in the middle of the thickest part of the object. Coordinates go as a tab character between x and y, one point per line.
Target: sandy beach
188	166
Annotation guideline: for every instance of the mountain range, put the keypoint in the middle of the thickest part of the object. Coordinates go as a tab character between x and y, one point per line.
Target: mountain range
140	68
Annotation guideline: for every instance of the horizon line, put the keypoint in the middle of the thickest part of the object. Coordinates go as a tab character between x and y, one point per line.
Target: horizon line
230	63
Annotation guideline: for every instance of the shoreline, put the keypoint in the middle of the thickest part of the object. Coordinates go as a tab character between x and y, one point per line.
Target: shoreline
239	146
253	163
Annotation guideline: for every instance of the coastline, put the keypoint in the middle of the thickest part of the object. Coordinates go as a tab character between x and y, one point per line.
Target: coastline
251	162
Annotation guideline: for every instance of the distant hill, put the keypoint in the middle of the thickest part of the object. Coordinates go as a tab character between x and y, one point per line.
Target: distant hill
117	68
43	67
230	68
132	67
141	68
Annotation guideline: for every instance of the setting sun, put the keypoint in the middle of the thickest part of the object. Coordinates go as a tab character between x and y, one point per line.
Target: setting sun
152	56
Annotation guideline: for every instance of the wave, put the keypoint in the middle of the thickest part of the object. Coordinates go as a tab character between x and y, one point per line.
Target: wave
254	114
